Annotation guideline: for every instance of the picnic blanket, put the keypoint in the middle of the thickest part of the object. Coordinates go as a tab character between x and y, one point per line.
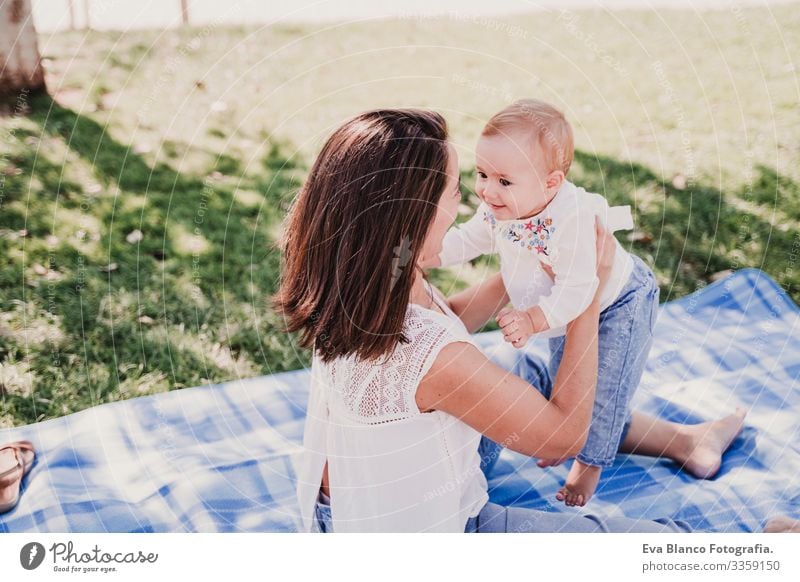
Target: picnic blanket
218	458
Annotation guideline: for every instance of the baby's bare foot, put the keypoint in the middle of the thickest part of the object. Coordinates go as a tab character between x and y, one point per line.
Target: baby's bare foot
707	442
581	484
782	524
549	462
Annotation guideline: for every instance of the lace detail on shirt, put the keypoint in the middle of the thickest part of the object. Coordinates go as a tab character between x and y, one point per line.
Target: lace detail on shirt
377	392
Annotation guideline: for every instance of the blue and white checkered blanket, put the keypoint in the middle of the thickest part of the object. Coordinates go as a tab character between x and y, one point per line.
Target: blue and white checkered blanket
218	458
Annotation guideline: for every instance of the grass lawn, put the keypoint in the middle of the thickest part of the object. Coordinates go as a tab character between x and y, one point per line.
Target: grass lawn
139	209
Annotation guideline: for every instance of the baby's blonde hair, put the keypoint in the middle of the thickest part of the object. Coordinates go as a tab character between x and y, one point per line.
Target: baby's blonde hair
547	125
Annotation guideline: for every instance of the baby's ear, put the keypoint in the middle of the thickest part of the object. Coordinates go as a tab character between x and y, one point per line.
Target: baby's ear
555	179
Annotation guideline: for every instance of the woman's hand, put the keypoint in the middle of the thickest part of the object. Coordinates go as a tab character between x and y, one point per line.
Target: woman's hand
606	248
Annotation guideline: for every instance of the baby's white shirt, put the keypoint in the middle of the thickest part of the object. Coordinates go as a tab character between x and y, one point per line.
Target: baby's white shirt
561	236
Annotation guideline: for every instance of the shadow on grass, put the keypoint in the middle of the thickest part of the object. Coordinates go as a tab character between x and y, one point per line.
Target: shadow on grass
691	234
154	279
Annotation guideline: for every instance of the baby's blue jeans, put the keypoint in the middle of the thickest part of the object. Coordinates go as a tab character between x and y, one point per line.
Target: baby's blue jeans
626	335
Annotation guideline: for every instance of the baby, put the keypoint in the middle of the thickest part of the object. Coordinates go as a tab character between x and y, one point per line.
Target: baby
543	228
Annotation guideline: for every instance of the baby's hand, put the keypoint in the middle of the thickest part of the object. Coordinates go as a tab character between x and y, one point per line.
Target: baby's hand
516	325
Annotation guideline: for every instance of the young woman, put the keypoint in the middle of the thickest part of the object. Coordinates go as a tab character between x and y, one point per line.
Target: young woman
405	412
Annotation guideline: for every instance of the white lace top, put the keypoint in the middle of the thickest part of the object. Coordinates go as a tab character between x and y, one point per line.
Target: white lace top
391	468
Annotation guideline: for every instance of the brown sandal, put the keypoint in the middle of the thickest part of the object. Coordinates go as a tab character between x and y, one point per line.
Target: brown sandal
11	479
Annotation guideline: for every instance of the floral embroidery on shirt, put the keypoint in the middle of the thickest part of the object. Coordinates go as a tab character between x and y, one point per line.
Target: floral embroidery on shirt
532	234
489	217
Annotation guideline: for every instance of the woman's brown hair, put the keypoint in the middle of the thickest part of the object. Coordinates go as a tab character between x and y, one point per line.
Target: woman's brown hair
356	229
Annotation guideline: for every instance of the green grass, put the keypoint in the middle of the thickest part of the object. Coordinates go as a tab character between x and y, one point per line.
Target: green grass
139	210
89	313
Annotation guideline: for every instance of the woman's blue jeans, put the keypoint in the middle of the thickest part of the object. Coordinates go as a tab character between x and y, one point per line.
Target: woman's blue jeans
495	518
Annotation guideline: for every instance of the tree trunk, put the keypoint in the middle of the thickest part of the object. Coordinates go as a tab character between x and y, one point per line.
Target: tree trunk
185	12
71	15
21	72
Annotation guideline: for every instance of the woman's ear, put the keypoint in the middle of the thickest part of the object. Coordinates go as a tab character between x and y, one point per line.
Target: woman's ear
555	179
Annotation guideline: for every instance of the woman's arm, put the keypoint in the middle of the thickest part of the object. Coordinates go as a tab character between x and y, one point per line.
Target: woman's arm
499	404
480	303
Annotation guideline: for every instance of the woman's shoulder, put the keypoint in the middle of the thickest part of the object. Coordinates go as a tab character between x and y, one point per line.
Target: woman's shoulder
382	390
424	331
423	324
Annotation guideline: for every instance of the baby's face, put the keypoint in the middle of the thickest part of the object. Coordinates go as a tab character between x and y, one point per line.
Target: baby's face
511	178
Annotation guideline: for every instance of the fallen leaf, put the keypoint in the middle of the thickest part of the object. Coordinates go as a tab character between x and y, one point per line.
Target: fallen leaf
720	275
639	236
134	236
